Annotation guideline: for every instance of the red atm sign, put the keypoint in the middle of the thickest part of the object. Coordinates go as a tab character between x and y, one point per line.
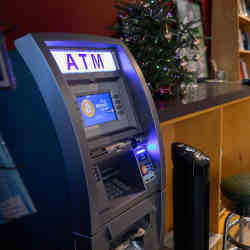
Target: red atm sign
73	61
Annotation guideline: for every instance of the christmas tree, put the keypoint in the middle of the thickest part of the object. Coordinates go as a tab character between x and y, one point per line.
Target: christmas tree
151	30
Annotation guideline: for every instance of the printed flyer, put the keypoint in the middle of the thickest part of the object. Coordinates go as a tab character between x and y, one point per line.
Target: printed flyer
15	201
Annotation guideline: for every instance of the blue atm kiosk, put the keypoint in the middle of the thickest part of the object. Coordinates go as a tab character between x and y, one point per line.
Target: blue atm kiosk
84	132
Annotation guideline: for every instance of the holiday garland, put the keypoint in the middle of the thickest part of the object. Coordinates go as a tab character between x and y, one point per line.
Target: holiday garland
151	30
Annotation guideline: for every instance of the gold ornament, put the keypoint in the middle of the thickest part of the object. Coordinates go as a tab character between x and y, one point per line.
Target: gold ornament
197	41
169	36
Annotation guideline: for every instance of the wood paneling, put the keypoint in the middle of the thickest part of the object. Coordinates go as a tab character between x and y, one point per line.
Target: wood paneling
236	139
168	138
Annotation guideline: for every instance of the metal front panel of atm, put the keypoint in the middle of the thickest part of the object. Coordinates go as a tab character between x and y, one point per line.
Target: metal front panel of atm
107	130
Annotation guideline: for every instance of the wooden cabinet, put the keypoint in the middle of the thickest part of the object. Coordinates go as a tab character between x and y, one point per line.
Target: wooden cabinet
226	24
223	133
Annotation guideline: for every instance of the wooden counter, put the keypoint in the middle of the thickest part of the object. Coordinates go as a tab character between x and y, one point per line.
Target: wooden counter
216	120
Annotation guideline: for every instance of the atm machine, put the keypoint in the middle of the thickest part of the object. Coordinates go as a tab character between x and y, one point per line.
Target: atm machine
84	132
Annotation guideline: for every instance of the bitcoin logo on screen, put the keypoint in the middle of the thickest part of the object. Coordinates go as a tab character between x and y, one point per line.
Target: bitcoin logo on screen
88	108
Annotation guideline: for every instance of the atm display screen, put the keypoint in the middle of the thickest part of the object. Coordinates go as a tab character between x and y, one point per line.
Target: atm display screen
96	109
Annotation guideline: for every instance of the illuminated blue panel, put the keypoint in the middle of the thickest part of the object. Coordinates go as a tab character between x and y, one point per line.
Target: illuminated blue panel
81	61
96	109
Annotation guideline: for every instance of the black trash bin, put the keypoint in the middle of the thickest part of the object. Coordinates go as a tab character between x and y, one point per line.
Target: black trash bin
191	198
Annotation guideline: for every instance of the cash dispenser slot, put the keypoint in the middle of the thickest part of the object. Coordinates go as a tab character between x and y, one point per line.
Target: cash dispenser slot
134	229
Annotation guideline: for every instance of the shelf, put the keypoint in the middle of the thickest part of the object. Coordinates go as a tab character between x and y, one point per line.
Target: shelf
244	20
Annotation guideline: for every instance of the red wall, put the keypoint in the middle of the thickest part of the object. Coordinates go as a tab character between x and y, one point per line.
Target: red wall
79	16
206	5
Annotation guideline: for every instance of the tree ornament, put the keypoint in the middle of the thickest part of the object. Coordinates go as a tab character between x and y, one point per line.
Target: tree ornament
196	57
197	42
184	64
170	14
169	36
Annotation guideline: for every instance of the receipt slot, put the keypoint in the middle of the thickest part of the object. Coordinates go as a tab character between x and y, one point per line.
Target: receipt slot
84	130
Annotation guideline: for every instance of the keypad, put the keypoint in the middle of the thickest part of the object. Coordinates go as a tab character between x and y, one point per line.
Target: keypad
116	188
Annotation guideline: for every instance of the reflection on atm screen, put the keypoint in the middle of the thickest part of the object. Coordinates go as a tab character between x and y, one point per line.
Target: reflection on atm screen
96	109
